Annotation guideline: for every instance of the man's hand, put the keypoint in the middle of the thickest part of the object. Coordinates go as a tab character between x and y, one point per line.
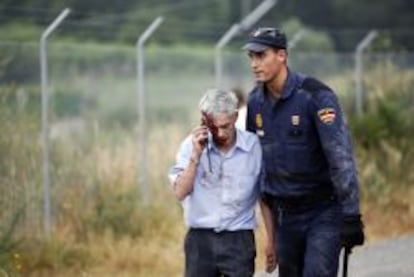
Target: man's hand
200	135
271	257
352	233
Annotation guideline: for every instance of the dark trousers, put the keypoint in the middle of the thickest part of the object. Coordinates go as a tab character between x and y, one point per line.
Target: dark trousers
308	240
212	254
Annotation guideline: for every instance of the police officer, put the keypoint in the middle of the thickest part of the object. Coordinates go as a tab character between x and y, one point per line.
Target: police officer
311	180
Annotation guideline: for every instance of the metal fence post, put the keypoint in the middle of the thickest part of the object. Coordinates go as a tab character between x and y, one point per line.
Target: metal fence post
245	24
295	39
142	159
45	119
218	63
362	45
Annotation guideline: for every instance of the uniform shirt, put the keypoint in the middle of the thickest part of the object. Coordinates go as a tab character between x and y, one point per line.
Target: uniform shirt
306	143
225	198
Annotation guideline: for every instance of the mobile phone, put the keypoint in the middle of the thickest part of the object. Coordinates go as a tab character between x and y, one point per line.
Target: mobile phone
205	121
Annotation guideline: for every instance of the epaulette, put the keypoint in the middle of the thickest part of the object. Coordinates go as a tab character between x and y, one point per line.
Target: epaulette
314	85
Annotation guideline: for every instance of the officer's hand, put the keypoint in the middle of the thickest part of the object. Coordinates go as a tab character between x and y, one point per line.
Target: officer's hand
352	233
271	257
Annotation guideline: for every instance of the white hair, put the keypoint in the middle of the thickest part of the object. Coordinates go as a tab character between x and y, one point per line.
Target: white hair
216	101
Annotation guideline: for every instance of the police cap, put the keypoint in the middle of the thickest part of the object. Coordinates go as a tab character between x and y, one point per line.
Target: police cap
265	37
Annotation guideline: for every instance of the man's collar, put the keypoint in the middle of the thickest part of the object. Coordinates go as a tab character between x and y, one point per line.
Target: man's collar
288	87
240	143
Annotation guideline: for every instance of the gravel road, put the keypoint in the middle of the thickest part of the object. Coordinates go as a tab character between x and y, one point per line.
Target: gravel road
391	258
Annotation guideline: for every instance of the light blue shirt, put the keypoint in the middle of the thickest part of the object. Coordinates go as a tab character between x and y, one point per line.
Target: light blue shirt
225	198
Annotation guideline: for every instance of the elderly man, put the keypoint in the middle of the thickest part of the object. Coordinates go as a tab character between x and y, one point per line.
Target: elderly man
216	178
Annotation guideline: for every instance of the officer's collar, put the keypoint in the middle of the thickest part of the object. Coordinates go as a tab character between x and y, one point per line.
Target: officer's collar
288	87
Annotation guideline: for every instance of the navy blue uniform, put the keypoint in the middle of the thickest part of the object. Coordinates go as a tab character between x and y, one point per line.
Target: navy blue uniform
309	170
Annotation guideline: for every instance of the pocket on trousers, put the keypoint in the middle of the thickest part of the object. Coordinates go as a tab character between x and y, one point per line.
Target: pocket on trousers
249	244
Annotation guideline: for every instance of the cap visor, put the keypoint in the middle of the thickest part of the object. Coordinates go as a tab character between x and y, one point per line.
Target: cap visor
255	47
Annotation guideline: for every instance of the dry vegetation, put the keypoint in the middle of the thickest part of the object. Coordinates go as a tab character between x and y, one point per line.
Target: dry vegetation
103	229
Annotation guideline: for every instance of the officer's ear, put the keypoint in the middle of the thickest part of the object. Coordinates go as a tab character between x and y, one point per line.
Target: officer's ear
281	54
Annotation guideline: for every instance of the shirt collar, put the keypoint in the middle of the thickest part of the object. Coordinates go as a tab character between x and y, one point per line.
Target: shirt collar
288	88
241	142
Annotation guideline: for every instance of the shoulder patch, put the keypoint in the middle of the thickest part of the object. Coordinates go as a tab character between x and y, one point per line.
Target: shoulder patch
327	115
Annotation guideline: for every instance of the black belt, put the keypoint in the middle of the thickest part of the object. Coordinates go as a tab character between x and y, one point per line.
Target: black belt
212	230
285	176
303	201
